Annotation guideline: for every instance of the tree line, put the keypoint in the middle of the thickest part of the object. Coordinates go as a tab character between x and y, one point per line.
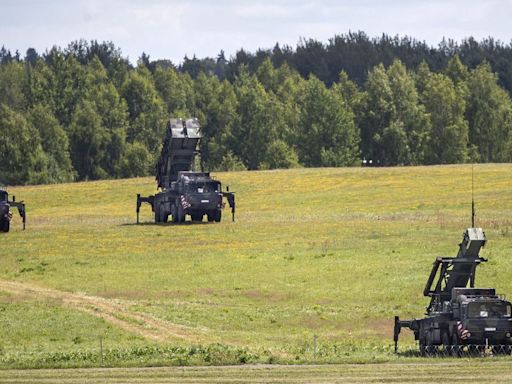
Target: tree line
84	112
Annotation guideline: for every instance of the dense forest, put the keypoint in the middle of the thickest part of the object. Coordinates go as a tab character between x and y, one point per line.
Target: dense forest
84	112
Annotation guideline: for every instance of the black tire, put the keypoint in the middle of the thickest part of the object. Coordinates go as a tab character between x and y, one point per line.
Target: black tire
430	348
447	345
218	216
174	214
5	225
197	217
180	214
422	348
211	216
474	350
456	347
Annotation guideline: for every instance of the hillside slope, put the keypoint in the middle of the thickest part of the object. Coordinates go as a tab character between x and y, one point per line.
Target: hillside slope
334	253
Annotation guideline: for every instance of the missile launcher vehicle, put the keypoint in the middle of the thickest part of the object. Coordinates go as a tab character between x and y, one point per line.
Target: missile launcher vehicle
182	191
461	319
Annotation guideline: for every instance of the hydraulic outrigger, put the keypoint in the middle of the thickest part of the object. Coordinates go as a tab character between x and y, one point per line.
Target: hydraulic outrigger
6	213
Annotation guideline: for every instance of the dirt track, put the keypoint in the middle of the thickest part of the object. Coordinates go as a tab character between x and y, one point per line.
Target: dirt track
114	311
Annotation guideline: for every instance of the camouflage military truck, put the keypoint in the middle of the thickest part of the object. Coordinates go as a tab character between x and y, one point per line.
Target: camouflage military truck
6	213
460	319
182	190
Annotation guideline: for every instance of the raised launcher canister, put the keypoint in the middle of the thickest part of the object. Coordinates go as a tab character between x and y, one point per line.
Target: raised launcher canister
461	319
182	190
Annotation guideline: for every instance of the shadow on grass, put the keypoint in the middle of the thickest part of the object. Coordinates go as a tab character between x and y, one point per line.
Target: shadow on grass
168	224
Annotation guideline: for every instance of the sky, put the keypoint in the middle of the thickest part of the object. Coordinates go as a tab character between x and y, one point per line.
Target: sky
171	29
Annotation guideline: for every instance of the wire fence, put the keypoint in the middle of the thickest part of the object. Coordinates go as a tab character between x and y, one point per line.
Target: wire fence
469	350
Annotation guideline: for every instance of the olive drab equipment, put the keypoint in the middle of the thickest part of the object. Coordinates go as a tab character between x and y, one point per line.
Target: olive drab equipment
182	191
461	319
6	213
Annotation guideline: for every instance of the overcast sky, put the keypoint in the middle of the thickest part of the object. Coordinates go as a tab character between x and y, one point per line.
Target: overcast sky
172	29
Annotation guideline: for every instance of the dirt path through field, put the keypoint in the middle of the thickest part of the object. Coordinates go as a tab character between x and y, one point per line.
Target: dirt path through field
114	311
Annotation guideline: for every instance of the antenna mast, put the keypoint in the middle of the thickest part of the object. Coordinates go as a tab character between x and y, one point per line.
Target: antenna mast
472	199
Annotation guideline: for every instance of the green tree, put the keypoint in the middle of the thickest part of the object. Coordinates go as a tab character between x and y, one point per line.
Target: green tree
489	115
89	141
21	156
216	106
377	112
136	160
146	111
392	112
258	121
280	155
328	135
113	112
12	79
446	106
176	90
39	86
68	84
267	75
409	112
54	143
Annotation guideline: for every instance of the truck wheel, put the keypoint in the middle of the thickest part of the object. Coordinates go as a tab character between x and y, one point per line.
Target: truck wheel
173	214
197	217
430	348
456	347
218	216
211	216
447	347
180	214
422	348
5	225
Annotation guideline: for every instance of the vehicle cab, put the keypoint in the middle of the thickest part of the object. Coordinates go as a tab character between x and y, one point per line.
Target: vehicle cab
483	315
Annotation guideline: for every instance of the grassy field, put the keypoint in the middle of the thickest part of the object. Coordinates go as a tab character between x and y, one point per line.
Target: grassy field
453	372
331	253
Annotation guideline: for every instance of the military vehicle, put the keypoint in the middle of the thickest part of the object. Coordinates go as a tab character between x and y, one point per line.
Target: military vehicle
460	319
182	190
6	213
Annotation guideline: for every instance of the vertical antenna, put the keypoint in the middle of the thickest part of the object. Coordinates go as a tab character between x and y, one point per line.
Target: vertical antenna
472	199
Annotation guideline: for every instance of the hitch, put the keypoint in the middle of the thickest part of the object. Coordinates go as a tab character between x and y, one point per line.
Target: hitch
398	327
21	209
143	199
230	196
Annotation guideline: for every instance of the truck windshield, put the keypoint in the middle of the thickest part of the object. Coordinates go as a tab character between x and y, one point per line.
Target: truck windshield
489	310
207	187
